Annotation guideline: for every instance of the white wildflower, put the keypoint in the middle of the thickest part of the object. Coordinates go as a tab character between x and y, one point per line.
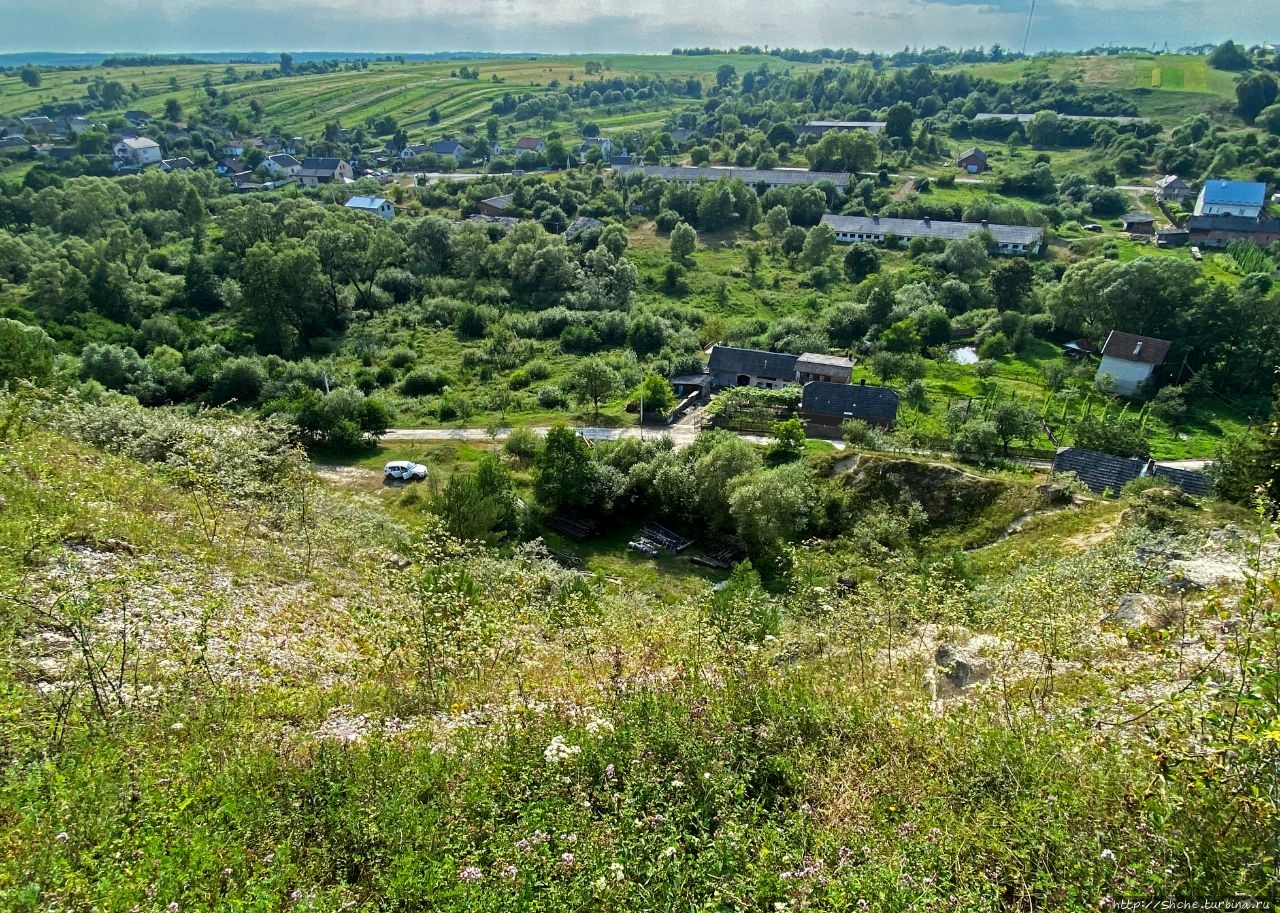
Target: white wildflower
560	752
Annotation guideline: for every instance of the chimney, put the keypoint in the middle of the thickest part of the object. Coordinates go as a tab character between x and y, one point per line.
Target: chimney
875	220
926	221
984	223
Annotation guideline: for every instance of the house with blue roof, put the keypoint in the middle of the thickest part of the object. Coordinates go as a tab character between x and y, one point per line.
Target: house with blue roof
374	205
1231	198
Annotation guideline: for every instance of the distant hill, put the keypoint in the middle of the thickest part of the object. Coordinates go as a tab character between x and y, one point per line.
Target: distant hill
95	58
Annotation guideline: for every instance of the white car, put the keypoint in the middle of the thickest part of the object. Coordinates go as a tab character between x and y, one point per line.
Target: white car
405	471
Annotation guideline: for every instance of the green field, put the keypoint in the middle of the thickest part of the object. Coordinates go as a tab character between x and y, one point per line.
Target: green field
1160	85
406	92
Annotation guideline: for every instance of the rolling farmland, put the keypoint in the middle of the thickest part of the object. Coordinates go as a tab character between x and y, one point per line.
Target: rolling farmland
406	92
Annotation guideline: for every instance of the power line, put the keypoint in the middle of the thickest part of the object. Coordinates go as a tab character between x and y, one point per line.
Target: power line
1027	34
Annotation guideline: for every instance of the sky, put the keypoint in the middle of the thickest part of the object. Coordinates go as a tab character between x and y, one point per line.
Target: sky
656	26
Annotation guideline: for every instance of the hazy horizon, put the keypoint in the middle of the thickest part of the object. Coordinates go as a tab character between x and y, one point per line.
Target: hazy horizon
608	26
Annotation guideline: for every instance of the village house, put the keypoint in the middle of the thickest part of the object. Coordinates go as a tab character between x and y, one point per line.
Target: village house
1010	239
325	170
581	224
449	147
596	142
752	177
77	125
1231	198
138	151
973	161
819	127
1219	231
731	367
535	144
14	143
834	369
1139	223
413	150
1128	360
182	163
495	206
377	206
37	124
138	119
825	406
1172	188
282	165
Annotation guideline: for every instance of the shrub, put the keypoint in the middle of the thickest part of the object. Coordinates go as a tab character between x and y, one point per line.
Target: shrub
523	444
402	358
552	397
424	381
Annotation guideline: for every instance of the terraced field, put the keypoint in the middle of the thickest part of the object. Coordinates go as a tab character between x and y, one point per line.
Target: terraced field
406	92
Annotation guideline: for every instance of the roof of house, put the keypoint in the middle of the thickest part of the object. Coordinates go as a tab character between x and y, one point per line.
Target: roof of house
1129	347
1233	224
1026	116
747	175
597	141
1137	218
1099	471
284	160
1170	180
1102	471
416	149
12	142
873	125
502	201
366	203
579	225
929	228
182	163
752	361
1218	192
871	404
973	152
37	120
321	163
815	360
139	142
528	142
691	380
446	147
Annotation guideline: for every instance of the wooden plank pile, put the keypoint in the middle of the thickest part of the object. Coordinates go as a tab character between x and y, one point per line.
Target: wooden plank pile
573	527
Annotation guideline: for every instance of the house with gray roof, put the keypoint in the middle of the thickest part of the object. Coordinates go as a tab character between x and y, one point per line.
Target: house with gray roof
1172	187
775	177
1231	198
1129	359
282	164
832	404
1010	239
820	127
325	170
732	367
834	369
495	206
449	147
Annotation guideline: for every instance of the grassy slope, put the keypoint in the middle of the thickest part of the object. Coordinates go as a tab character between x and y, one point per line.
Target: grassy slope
1162	86
717	767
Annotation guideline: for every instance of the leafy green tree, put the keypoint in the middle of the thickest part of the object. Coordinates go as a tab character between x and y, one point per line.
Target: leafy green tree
1229	56
854	150
1011	282
1253	94
562	470
683	241
30	76
593	381
793	240
976	439
818	244
788	440
1014	421
26	353
658	395
173	109
777	220
773	506
901	337
280	301
860	261
1121	437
